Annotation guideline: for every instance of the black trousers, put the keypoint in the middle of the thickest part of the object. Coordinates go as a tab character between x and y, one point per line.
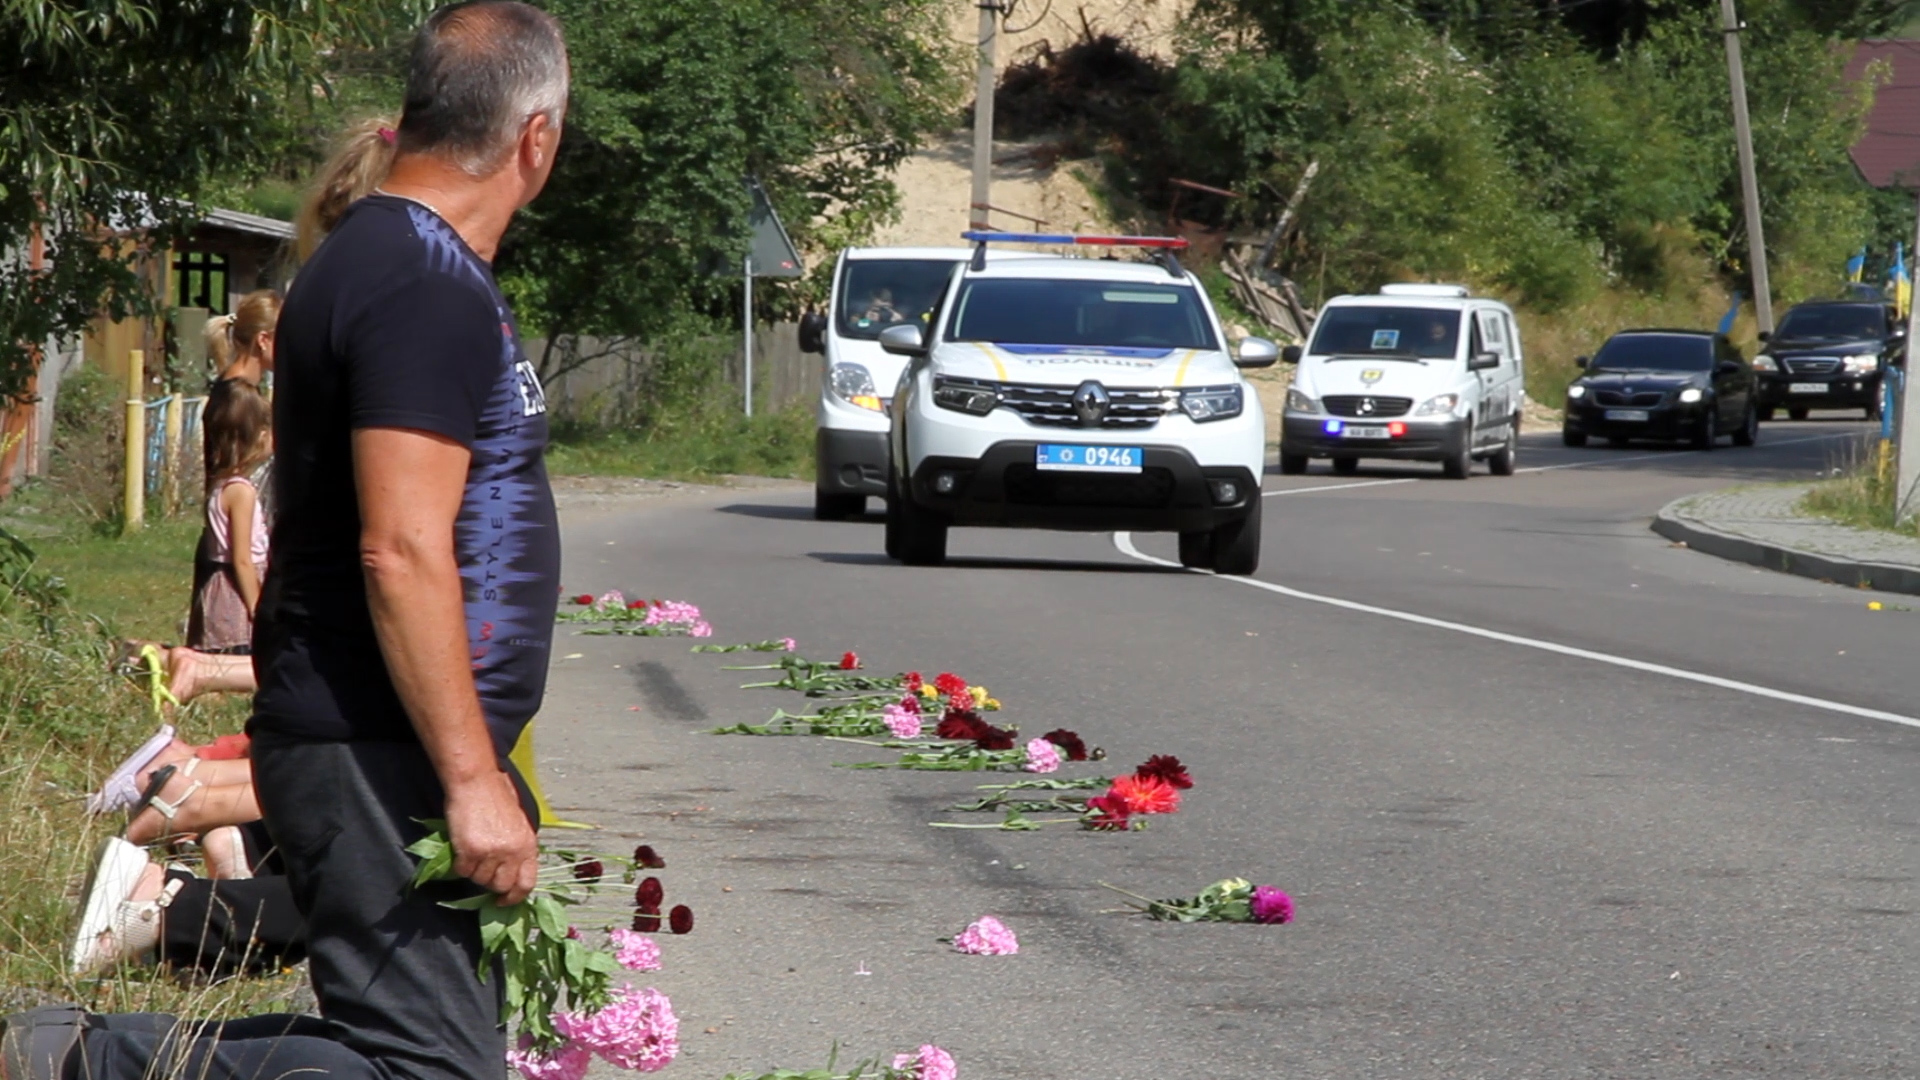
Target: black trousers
232	927
395	973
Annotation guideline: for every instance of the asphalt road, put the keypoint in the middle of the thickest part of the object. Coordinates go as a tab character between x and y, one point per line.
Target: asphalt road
1509	862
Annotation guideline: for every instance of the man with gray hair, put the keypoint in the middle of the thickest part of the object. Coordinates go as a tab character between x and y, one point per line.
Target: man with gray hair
402	638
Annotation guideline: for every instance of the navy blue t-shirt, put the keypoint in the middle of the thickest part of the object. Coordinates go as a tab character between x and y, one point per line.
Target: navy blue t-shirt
395	323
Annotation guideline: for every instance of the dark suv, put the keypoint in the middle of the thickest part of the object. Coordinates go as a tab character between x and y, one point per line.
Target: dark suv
1671	385
1827	354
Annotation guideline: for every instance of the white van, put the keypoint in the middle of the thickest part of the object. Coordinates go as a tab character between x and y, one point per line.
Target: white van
1418	372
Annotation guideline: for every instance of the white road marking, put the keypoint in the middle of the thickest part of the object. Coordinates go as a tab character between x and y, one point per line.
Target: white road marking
1124	543
1546	468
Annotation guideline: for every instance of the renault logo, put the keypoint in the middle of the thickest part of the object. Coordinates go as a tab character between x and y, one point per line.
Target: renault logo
1090	403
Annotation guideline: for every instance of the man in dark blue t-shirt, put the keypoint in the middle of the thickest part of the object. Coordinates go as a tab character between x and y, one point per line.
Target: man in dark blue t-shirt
402	639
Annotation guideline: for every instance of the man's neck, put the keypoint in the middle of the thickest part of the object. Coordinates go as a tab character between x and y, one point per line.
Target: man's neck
478	208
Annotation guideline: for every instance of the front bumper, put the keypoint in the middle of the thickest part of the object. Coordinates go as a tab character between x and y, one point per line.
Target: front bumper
1671	422
850	462
1848	391
1424	440
1171	493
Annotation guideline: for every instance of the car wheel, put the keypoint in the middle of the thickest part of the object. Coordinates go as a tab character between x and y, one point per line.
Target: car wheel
1458	464
829	507
1346	466
1749	430
1292	464
1796	414
1502	461
1766	414
1569	437
1236	545
915	536
1709	432
1196	550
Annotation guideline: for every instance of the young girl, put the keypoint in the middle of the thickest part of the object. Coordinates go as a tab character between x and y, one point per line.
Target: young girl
239	439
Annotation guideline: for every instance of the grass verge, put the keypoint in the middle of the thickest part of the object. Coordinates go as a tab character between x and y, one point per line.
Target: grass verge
698	445
1863	494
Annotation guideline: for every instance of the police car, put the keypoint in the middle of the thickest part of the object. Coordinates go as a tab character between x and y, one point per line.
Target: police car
1080	394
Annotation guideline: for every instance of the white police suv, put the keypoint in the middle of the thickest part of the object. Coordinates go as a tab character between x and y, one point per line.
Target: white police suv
1080	394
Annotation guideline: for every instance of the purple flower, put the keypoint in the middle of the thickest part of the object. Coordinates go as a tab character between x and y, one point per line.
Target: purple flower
1270	905
635	952
567	1063
637	1030
1042	756
929	1063
903	723
987	936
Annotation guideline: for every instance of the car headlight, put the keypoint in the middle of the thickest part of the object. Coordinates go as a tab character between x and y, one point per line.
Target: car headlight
1763	362
1299	402
1860	365
1436	406
1576	392
966	395
853	384
1691	395
1212	403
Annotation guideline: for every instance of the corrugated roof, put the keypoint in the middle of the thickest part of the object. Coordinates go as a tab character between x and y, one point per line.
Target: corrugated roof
249	223
1888	155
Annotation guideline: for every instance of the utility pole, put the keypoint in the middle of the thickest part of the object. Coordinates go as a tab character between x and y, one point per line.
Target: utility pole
1906	431
1749	183
984	79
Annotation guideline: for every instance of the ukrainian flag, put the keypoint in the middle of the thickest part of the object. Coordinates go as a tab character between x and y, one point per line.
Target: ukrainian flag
1857	265
1900	281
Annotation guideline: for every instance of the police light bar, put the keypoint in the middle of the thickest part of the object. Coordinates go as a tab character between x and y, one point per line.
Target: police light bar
1165	245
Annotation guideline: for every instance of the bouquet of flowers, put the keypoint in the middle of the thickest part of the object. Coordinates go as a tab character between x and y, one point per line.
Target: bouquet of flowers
1226	900
818	678
903	715
560	988
1153	788
613	613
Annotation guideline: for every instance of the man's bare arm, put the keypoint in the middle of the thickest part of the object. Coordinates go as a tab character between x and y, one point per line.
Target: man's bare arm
410	484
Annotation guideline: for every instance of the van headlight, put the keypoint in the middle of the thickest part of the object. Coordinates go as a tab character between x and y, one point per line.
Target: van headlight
853	384
1299	402
1212	403
965	395
1438	406
1691	395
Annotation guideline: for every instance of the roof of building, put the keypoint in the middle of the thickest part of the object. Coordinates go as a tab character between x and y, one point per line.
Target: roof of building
1888	155
239	221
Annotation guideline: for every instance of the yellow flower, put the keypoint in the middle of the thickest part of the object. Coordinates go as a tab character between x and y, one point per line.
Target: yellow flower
979	695
992	704
927	691
1873	605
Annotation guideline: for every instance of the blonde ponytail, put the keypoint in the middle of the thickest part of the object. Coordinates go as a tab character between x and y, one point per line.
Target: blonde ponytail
359	163
219	335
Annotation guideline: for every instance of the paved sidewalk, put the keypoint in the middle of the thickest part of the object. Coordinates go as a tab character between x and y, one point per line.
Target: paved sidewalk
1760	525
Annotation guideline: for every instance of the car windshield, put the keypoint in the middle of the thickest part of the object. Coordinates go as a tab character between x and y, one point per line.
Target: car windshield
1036	311
878	293
1834	321
1654	352
1387	332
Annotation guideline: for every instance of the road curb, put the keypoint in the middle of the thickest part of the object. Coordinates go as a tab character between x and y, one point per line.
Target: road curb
1699	536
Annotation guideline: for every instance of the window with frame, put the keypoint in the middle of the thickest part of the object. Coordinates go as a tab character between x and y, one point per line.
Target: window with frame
201	280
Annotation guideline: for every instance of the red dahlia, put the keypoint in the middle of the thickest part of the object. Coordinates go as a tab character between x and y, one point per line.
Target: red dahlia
584	599
649	894
1070	745
680	919
950	684
1110	812
849	661
645	856
1168	768
914	682
1145	794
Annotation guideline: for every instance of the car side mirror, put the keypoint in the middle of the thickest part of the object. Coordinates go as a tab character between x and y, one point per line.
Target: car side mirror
1766	335
1482	361
1898	333
1580	361
813	332
1291	354
1256	352
903	339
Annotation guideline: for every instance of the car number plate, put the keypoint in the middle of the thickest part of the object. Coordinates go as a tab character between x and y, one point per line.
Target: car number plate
1364	431
1807	388
1627	414
1088	458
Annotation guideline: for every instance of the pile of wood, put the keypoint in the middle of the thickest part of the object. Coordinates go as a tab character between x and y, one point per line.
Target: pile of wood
1267	294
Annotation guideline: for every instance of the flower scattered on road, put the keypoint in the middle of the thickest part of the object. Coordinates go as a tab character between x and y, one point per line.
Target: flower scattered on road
849	661
635	952
680	919
1168	768
646	858
1070	745
987	936
929	1063
1271	905
1041	756
903	722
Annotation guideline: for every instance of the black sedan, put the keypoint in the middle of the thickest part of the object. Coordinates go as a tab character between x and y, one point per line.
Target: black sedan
1672	385
1828	355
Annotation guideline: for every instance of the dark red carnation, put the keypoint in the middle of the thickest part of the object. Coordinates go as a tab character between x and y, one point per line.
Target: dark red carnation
996	738
1168	768
966	724
646	922
680	919
584	599
1110	812
950	684
589	870
649	894
1070	745
637	605
911	703
849	661
646	858
914	682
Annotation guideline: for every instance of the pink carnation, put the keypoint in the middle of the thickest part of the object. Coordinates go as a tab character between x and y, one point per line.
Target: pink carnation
635	952
1042	756
903	724
987	936
637	1030
567	1063
611	599
1270	905
700	629
789	644
930	1063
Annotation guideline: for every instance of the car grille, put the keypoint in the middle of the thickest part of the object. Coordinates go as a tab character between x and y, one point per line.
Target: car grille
1149	488
1052	406
1366	405
1616	398
1813	365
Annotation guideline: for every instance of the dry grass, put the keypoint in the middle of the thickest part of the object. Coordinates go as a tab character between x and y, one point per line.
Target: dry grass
1553	340
1863	494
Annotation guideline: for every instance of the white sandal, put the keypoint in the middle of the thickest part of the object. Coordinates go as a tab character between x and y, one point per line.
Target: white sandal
168	810
134	933
116	872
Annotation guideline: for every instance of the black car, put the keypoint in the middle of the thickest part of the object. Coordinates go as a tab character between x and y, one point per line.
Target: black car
1673	385
1828	354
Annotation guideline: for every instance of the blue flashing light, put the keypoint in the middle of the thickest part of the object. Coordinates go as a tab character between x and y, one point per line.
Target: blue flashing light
1176	243
1333	427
